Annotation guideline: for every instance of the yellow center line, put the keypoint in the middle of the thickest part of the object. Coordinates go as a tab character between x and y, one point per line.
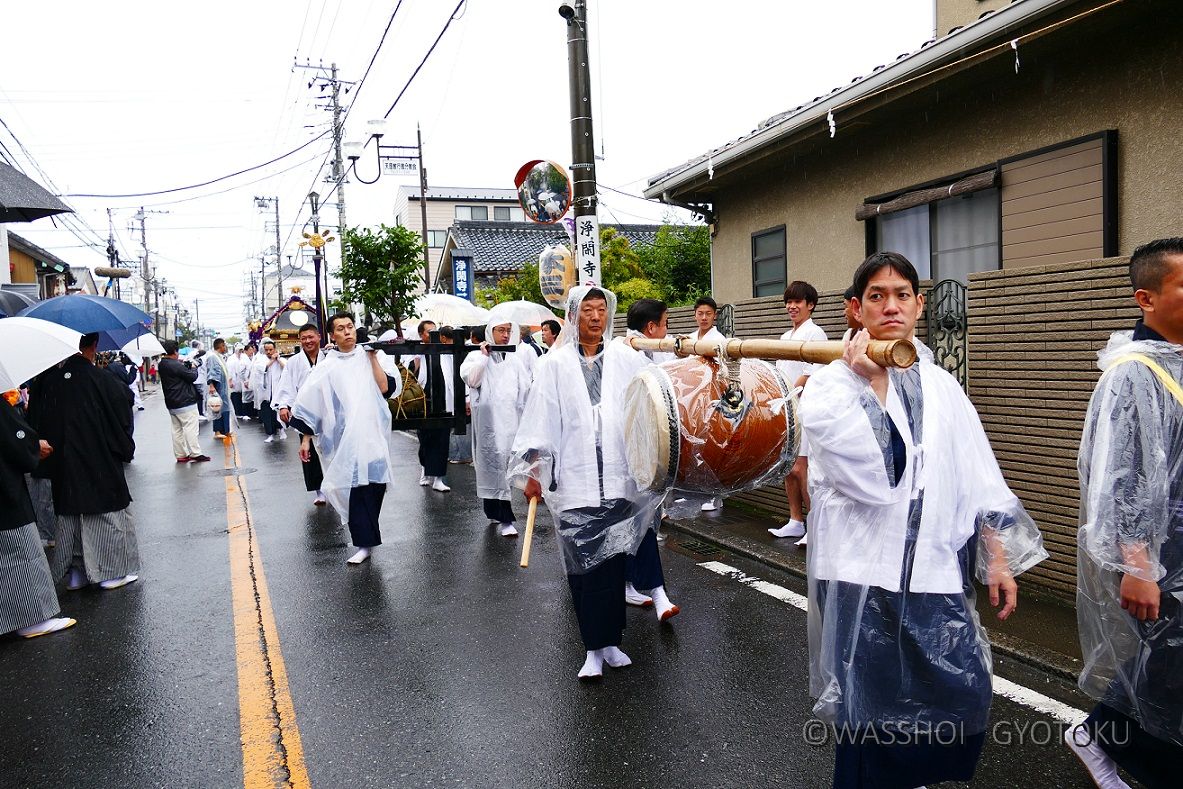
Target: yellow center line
272	755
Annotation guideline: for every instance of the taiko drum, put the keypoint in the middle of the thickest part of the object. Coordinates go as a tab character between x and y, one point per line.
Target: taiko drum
682	432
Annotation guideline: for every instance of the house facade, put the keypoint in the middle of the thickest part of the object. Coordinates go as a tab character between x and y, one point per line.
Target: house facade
968	155
447	205
40	274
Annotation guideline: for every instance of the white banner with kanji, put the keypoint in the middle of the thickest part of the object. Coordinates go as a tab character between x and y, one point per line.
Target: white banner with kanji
587	249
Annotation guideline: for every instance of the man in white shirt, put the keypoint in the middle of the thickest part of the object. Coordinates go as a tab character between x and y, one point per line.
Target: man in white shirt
800	301
265	382
295	373
705	311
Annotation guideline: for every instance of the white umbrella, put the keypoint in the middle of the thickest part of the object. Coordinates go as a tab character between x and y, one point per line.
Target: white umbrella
144	345
29	346
448	310
521	312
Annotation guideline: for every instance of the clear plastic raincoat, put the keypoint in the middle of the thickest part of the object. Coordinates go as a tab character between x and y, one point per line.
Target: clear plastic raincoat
572	440
498	385
908	506
347	413
1131	522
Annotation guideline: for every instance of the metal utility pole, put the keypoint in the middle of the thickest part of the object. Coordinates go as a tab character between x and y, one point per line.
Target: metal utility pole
144	272
583	155
423	211
262	285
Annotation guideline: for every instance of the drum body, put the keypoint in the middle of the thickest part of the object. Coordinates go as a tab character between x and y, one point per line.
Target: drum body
682	432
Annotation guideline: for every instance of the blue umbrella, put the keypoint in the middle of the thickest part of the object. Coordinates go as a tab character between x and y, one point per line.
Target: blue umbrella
115	339
85	313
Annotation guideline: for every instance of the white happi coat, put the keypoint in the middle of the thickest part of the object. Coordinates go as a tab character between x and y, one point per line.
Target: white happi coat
560	419
498	385
858	521
295	372
347	413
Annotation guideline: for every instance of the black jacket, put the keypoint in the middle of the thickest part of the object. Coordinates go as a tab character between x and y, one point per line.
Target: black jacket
19	451
80	410
177	380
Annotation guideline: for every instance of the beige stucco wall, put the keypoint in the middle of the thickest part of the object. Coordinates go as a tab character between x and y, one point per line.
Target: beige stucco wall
958	13
1119	70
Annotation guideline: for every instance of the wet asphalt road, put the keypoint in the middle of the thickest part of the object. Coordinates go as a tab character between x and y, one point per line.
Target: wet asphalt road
438	663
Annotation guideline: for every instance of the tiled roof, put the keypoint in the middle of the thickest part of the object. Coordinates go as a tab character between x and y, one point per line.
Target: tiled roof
505	246
461	193
782	123
34	251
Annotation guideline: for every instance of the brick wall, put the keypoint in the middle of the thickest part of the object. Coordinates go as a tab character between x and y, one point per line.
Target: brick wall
1034	334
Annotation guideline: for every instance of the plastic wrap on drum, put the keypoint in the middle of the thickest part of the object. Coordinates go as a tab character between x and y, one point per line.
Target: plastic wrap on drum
683	431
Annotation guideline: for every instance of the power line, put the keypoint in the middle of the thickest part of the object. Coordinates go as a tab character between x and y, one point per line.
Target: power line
374	57
415	73
211	181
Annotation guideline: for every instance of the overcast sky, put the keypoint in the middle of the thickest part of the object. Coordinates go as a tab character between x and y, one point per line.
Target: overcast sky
131	97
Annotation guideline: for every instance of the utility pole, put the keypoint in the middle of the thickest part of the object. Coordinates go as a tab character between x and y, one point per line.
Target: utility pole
583	154
278	258
262	285
338	163
423	211
144	272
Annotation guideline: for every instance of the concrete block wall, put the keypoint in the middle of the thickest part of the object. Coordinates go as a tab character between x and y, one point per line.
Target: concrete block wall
1034	334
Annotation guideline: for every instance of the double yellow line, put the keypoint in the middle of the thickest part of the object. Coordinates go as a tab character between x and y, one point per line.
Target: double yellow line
272	755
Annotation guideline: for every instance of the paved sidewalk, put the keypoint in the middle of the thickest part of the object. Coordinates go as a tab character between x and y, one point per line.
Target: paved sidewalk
1041	634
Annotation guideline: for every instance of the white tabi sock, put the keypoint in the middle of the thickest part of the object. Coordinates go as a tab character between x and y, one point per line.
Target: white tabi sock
425	480
509	530
359	557
614	657
662	605
115	583
46	627
633	597
1100	765
793	528
439	485
593	667
76	579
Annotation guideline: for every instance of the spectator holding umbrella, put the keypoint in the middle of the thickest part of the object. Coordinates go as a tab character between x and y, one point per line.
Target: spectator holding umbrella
82	413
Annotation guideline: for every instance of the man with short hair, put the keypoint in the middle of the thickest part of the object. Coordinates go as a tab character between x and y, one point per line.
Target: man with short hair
852	323
81	412
909	505
705	312
218	381
550	332
246	369
433	441
1130	545
265	382
649	318
572	446
295	373
180	398
343	403
800	301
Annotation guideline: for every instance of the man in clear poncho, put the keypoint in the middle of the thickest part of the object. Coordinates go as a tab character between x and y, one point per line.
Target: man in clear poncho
343	404
499	383
1130	546
572	449
908	506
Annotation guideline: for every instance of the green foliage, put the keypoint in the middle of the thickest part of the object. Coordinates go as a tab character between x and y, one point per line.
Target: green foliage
381	270
233	340
679	263
676	269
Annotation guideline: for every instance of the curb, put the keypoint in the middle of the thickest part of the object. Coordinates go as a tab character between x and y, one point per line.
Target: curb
1033	655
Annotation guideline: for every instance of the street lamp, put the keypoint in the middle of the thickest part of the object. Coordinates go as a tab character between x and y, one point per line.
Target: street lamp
317	242
400	159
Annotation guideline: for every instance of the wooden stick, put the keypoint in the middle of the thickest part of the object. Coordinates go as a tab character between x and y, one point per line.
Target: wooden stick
529	533
887	353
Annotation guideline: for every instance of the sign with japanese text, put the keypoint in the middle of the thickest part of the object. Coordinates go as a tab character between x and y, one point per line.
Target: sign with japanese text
462	276
587	249
400	167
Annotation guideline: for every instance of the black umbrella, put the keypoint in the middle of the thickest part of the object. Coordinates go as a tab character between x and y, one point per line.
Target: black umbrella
22	199
12	302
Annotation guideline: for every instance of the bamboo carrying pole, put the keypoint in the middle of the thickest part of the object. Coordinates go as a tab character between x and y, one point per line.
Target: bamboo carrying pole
886	353
529	533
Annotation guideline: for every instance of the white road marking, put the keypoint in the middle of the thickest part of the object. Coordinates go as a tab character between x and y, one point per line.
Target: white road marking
1032	699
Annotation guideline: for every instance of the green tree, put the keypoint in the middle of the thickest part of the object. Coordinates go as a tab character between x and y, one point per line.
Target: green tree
679	263
523	285
233	340
381	270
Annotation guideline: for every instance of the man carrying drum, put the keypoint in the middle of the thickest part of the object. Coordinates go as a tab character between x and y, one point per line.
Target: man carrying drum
909	505
573	448
648	318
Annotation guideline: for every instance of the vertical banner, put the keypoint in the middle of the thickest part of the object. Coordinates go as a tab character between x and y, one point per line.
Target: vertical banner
462	276
587	249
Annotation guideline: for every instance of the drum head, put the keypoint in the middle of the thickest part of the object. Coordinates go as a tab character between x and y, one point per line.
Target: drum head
651	430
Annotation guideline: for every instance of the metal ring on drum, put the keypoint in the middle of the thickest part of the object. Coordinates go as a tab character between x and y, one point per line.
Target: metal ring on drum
682	432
